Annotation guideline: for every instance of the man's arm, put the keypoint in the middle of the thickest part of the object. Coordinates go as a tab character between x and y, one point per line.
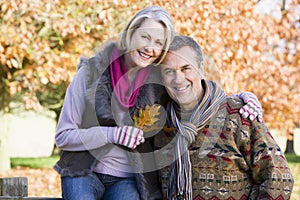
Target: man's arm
270	170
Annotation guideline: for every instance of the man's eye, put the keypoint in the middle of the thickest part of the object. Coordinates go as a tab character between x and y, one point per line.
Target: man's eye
159	43
186	68
168	72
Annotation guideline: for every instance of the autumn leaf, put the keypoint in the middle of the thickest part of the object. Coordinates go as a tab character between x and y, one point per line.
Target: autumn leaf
147	118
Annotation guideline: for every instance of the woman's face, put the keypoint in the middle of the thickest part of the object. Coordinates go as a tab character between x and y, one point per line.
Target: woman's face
146	43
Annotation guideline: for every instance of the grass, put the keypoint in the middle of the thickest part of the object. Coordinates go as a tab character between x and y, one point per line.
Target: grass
42	162
292	158
294	163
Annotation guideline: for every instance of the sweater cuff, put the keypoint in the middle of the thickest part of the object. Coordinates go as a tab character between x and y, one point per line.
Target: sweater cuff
110	134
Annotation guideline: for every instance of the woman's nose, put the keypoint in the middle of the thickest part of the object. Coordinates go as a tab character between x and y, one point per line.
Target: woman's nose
149	48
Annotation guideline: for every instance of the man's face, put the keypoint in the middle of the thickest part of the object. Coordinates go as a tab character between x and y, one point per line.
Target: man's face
182	77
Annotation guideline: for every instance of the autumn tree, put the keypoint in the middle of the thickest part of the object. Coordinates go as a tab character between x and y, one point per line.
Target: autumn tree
255	51
41	43
250	46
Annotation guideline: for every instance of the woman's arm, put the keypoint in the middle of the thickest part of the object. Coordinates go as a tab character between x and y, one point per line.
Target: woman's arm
71	136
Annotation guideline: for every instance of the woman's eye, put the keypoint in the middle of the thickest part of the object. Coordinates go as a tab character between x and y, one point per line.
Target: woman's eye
145	37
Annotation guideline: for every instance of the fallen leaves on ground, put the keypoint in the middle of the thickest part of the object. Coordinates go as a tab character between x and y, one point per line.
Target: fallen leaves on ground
41	182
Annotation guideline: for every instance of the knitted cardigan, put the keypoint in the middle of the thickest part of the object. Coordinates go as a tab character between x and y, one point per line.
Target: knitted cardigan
232	158
98	111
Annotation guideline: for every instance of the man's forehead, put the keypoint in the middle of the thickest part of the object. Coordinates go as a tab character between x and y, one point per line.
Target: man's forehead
182	55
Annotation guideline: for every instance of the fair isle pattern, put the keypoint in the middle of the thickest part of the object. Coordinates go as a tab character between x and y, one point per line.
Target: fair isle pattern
236	159
225	169
244	197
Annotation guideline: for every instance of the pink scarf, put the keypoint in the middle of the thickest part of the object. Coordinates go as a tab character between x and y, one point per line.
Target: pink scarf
125	92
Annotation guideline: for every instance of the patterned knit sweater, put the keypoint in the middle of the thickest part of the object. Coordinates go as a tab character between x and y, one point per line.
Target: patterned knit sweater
232	158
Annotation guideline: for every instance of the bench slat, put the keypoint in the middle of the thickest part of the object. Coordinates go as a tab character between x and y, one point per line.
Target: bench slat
16	186
28	198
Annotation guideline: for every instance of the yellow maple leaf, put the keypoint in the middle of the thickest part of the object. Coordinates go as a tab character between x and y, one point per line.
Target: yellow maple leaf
147	117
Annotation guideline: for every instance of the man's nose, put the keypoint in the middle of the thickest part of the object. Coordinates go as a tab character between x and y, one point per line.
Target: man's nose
179	77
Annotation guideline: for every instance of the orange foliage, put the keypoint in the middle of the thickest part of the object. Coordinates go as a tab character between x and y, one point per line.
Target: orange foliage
41	42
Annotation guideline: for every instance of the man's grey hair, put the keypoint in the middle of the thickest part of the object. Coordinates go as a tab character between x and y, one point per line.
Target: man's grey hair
180	41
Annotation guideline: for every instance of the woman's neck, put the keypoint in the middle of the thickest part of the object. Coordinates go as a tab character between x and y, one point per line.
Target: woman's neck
130	66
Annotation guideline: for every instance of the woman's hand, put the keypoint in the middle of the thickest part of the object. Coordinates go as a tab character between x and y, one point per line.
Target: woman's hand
252	107
128	136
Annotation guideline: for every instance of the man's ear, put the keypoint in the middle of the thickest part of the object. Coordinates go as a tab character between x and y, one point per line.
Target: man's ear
201	69
201	65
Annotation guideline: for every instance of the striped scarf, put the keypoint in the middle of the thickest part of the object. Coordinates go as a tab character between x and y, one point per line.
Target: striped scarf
181	174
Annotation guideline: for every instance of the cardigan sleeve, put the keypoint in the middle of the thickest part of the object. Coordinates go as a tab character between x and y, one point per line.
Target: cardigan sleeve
70	136
269	167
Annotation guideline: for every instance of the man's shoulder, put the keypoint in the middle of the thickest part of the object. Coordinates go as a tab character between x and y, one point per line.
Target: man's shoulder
232	104
234	101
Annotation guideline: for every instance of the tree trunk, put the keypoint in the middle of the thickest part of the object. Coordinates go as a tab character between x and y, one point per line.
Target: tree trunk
290	141
4	155
290	147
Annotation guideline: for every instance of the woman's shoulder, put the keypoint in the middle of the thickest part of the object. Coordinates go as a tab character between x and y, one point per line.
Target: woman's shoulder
91	68
100	60
104	53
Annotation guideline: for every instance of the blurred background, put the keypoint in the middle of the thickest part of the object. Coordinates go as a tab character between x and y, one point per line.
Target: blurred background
249	46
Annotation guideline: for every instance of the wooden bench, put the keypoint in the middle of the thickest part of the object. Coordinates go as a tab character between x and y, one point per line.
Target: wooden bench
17	189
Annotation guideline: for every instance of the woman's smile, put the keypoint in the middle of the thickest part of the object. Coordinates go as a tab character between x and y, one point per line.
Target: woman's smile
147	44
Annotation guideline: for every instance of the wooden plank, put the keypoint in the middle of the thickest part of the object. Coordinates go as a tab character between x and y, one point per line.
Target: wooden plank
42	198
10	198
28	198
16	186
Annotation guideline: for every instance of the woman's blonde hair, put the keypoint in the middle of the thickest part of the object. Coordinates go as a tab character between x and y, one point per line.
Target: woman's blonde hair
156	13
